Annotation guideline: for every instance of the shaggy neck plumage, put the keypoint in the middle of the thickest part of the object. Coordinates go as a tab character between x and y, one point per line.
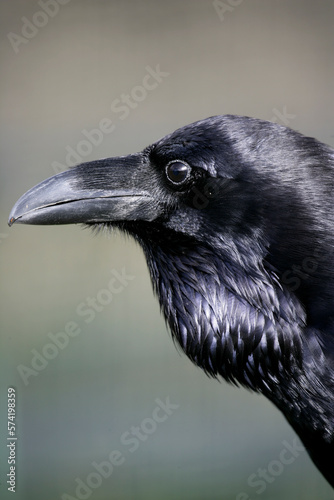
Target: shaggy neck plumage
245	328
240	323
226	322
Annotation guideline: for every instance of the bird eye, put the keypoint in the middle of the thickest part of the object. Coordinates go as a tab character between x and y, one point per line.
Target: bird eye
177	171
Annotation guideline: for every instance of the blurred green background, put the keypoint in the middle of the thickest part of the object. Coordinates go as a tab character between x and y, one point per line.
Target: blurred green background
267	59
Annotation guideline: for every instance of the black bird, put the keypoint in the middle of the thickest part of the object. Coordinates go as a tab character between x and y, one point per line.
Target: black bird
236	219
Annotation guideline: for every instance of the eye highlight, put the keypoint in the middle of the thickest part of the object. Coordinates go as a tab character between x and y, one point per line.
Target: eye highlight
177	172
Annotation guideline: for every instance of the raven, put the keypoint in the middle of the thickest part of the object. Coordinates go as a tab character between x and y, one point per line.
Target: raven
236	219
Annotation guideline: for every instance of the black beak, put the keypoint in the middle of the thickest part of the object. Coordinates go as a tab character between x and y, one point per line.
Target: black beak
113	189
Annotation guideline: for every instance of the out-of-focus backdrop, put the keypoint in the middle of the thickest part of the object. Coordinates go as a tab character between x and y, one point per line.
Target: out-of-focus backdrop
106	406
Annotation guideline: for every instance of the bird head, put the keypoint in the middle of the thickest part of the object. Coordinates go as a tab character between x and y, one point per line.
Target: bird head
198	182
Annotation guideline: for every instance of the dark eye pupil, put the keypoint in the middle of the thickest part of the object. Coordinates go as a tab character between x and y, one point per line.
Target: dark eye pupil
177	172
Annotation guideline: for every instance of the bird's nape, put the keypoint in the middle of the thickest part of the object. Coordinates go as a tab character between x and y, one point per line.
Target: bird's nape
235	217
